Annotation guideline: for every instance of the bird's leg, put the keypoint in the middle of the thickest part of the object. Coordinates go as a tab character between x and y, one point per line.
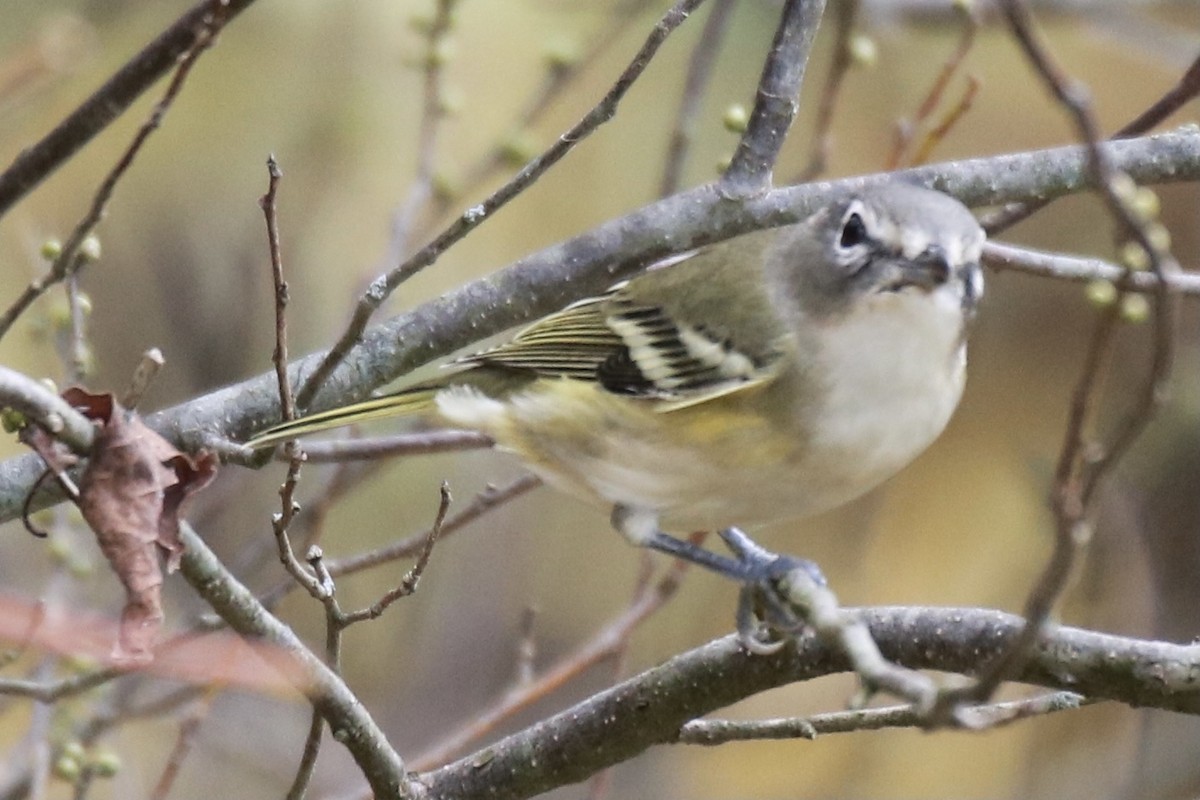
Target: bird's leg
759	572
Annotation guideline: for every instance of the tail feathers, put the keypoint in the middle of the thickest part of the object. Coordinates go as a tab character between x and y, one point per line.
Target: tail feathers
410	401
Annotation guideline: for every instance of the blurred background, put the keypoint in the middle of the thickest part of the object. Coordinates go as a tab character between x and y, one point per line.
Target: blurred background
334	89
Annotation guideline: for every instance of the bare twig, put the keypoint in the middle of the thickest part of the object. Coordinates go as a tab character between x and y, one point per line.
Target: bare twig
67	262
357	731
1182	92
404	444
560	74
776	102
704	56
845	15
1002	257
939	132
384	285
604	644
281	522
562	749
487	500
1080	465
408	584
710	732
143	375
47	409
432	113
189	728
279	357
906	129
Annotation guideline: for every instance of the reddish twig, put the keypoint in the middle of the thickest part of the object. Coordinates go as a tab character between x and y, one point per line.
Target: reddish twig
604	644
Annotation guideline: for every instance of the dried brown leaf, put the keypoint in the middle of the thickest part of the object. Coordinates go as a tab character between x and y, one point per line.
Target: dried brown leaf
132	493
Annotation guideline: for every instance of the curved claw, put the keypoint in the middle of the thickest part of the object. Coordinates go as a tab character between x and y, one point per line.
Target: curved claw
751	635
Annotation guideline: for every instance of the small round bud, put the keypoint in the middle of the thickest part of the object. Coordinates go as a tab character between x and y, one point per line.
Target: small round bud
106	764
66	769
518	148
445	188
450	101
736	118
1145	203
1159	236
562	54
80	567
1124	187
89	248
1135	308
51	249
1100	293
442	52
12	420
80	662
59	549
74	750
723	163
863	50
421	22
1134	256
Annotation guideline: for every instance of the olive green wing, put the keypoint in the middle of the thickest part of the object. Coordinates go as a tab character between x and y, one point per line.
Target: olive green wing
654	336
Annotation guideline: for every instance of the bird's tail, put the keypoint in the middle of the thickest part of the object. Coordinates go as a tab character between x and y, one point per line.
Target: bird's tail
414	400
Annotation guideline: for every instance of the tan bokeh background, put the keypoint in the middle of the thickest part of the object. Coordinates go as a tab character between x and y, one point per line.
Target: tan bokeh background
329	88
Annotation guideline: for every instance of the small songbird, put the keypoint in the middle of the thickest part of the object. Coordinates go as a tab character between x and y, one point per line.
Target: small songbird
778	374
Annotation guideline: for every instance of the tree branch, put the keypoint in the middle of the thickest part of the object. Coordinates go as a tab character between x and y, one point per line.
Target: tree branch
592	261
651	708
35	163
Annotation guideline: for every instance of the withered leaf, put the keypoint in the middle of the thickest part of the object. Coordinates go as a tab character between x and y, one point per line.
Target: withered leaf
132	494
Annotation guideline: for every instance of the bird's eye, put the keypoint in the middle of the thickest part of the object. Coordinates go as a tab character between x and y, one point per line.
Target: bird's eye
854	231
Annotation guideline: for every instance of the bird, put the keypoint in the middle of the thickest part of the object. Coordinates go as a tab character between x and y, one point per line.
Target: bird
774	375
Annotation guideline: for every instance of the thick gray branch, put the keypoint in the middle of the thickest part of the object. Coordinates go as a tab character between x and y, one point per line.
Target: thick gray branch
588	263
615	725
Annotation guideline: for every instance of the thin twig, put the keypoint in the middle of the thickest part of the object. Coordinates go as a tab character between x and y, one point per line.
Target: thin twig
1005	257
560	75
384	285
1080	466
408	584
906	129
1181	93
148	366
949	120
776	101
845	15
711	732
281	522
432	114
138	74
704	57
185	740
382	447
47	409
67	262
279	357
78	350
484	502
603	644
